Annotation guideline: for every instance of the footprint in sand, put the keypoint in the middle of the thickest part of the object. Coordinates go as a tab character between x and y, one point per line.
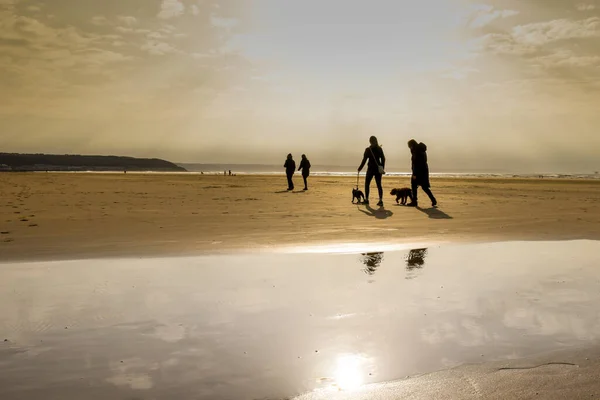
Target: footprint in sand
24	220
4	233
9	240
32	225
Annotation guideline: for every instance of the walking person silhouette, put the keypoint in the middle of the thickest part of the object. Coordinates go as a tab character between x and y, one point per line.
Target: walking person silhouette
305	168
290	168
375	168
420	172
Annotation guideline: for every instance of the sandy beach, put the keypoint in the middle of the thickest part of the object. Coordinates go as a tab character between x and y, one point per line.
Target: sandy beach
63	216
175	285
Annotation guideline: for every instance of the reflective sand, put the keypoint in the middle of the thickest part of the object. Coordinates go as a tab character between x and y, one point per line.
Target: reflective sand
279	325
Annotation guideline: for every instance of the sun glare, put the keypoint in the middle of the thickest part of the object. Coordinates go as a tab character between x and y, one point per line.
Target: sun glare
348	373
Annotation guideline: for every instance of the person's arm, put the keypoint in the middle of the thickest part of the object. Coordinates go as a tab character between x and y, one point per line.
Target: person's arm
285	164
364	160
382	159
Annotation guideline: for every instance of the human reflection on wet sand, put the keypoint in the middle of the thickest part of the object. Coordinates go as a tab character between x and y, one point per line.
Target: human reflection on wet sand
372	261
415	261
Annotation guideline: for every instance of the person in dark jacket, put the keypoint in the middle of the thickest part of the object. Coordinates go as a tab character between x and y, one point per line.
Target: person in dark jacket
374	154
305	167
290	168
420	172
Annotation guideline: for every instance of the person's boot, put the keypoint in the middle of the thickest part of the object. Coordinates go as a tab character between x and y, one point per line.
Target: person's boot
380	204
413	203
433	202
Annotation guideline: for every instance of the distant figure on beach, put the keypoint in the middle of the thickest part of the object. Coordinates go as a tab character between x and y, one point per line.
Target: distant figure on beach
305	168
375	168
290	168
420	172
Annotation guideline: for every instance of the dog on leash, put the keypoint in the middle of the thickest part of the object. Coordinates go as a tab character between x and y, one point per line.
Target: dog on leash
402	194
358	195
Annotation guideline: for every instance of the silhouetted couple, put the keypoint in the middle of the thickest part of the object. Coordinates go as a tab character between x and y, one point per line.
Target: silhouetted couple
290	169
376	169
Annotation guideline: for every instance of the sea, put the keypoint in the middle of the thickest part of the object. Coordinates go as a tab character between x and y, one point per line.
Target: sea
328	170
325	170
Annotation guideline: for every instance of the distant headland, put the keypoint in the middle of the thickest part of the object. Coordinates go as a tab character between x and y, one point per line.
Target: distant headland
15	162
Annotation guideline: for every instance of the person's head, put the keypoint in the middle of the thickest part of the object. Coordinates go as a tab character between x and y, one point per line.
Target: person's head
289	156
373	141
304	156
412	143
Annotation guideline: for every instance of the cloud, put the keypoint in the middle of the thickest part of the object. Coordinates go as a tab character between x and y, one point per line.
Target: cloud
500	43
541	33
566	58
156	48
99	20
484	15
585	7
171	9
195	9
530	38
127	20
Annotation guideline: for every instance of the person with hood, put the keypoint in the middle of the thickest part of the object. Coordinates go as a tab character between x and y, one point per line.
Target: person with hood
374	154
290	168
420	172
305	167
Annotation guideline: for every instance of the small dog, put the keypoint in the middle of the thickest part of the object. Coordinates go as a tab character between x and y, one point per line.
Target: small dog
404	193
358	195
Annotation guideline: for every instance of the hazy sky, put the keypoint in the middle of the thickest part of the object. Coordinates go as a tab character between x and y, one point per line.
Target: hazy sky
511	85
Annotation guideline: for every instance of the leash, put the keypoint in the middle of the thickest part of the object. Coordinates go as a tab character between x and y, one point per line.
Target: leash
357	176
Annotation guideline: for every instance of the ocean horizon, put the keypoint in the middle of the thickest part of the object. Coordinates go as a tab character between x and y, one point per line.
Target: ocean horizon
329	170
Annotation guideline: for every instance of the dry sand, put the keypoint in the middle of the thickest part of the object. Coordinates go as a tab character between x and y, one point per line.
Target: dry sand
58	216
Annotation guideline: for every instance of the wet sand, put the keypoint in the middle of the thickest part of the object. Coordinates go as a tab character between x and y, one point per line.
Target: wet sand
318	326
69	216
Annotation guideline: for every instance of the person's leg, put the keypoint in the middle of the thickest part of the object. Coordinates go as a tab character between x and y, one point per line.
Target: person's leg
368	180
290	183
304	177
415	187
379	189
431	197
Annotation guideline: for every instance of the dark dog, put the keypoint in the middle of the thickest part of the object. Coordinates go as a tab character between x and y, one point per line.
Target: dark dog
358	195
404	193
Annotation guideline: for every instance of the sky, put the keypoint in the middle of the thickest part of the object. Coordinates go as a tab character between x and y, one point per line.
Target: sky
511	85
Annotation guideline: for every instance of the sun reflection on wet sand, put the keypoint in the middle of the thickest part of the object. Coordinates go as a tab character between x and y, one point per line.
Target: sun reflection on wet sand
349	374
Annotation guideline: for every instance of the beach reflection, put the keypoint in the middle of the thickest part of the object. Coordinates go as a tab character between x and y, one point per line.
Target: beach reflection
415	260
250	326
372	261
